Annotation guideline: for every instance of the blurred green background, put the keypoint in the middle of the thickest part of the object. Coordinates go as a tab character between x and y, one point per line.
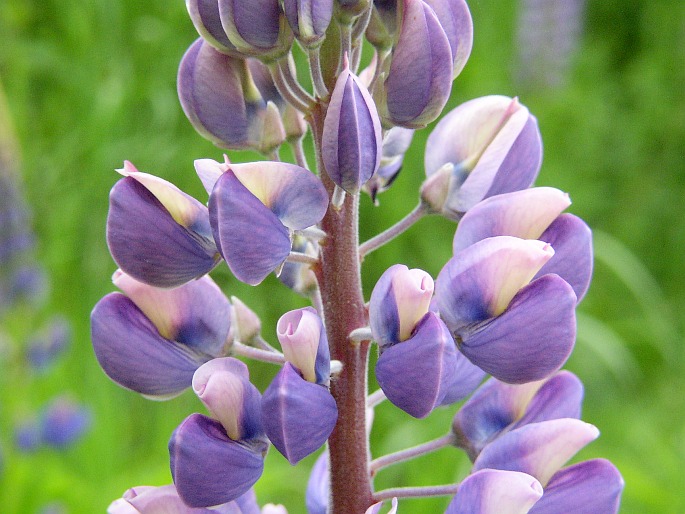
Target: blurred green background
91	83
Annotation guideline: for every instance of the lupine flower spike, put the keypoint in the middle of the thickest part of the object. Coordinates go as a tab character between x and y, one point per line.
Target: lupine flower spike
503	305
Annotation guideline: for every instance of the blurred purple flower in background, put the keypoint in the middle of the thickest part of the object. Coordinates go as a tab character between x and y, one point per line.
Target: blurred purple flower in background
548	34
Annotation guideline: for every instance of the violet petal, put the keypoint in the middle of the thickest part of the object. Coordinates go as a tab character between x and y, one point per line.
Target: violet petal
419	81
586	488
148	244
571	239
531	339
208	467
298	416
416	374
493	491
250	237
134	355
538	449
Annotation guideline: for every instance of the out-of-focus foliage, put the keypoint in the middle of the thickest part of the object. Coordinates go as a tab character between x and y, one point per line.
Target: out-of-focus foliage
92	83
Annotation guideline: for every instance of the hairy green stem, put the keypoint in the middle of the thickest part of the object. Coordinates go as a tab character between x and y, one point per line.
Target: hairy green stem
344	311
411	453
417	492
388	235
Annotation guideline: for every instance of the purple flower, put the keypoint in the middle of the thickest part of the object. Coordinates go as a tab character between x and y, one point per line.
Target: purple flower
258	28
253	210
395	144
352	136
298	411
487	146
516	330
298	415
49	344
64	422
317	494
493	491
497	408
165	499
419	80
235	115
418	367
309	19
156	233
534	214
214	462
540	449
399	300
153	340
207	20
27	436
224	387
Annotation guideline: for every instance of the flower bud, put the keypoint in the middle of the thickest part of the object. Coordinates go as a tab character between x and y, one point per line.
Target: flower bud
455	19
395	144
257	28
305	345
398	301
245	324
223	103
350	9
382	29
484	147
419	79
299	276
317	495
224	387
309	19
205	16
352	137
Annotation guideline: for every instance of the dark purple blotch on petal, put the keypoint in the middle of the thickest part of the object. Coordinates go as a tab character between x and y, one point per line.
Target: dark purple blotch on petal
531	339
133	354
496	408
298	416
148	244
208	467
250	237
416	374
